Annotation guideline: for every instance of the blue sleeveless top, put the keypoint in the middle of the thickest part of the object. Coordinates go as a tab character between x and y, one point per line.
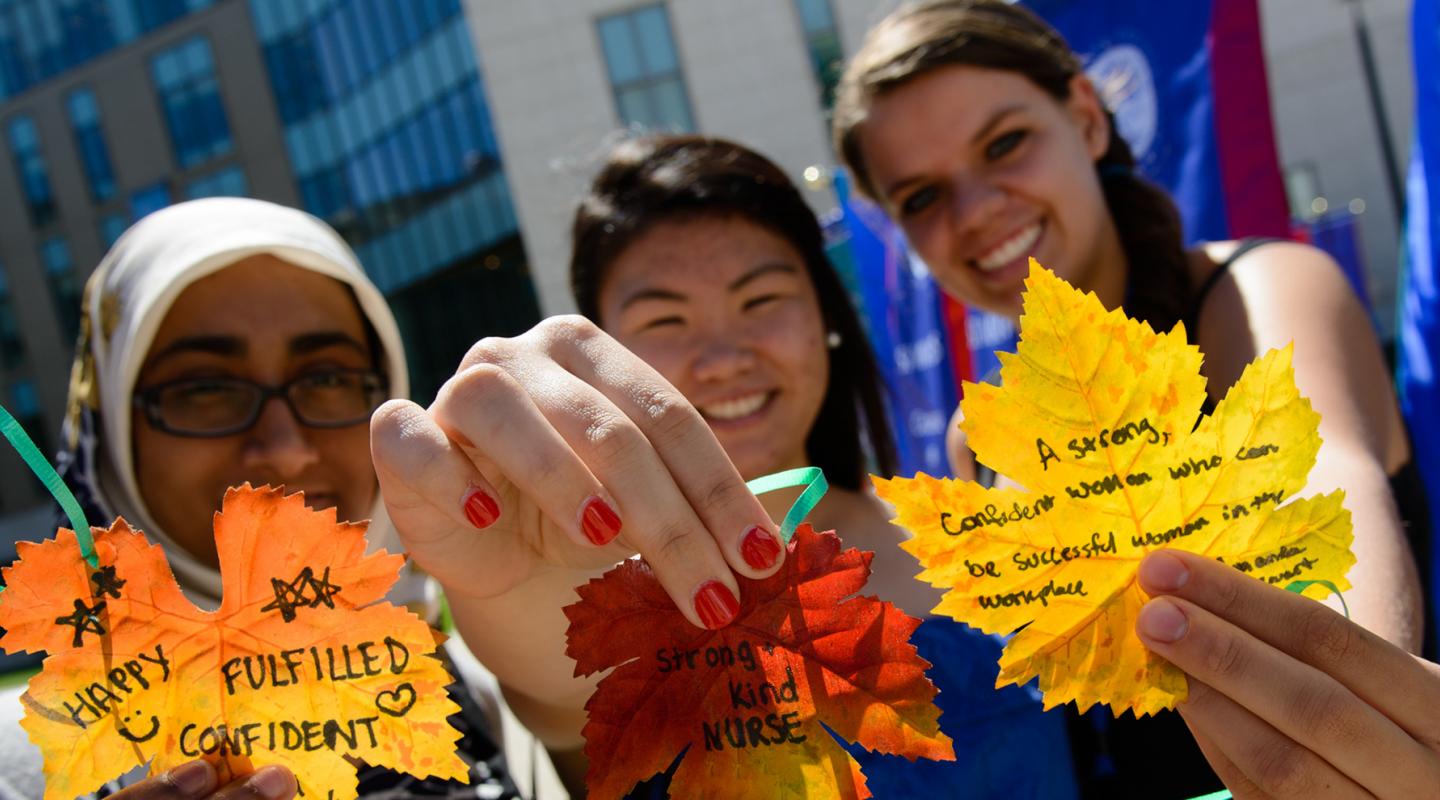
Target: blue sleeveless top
1005	746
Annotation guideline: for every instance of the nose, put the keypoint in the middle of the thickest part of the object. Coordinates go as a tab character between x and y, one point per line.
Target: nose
723	354
973	204
279	445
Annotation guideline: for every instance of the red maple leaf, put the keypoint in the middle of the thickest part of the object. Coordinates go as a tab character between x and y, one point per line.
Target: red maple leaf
745	703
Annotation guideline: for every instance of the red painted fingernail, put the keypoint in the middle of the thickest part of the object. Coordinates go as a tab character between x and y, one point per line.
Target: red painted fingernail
759	547
715	605
599	522
481	509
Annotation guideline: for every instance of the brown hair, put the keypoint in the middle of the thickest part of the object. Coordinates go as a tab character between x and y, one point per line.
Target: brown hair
674	178
924	36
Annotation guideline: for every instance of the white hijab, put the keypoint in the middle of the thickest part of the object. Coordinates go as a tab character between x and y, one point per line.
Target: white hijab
126	300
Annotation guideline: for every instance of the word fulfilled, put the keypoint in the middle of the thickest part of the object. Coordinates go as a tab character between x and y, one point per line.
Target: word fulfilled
277	735
344	663
99	698
1025	597
675	659
1083	446
993	515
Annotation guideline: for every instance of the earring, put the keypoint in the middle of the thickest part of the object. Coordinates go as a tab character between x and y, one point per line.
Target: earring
832	340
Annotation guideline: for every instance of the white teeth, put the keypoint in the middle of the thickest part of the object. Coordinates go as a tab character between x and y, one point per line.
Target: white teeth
1010	249
735	409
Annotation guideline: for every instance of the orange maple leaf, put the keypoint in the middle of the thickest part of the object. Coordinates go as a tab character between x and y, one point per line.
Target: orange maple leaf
302	664
745	703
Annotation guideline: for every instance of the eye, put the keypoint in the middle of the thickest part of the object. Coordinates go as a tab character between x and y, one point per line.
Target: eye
918	201
661	323
1003	144
759	302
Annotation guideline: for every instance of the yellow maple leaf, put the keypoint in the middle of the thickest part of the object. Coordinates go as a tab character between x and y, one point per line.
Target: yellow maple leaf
302	664
1096	417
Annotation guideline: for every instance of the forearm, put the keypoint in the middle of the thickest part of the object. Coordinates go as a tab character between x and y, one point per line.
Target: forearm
520	637
1385	597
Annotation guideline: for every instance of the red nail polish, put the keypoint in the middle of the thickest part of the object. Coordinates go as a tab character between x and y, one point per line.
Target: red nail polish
599	522
759	547
715	605
481	509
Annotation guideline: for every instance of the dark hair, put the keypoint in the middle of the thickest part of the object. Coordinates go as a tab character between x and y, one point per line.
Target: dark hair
925	36
675	178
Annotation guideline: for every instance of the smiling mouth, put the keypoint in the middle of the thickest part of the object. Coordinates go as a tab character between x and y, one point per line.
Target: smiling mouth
737	408
1006	252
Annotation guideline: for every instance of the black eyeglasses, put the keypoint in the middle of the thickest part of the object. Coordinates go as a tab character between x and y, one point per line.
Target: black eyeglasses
213	407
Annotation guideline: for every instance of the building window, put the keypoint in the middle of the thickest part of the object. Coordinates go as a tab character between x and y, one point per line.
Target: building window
12	347
190	95
645	69
85	123
228	182
111	226
822	39
149	200
25	407
30	166
64	284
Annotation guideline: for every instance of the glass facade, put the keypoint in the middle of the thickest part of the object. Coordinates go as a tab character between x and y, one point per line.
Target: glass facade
228	182
645	70
111	226
30	166
12	345
184	77
390	140
42	38
64	283
822	39
90	143
149	199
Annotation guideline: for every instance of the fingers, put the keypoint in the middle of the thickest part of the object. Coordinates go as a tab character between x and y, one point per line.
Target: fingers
1252	758
681	438
197	779
1382	675
267	783
1309	709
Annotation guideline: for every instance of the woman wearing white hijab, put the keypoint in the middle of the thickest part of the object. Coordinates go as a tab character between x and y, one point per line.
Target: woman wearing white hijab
237	302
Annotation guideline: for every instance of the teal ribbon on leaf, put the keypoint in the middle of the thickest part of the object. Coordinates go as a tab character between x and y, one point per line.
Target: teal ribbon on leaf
40	465
812	478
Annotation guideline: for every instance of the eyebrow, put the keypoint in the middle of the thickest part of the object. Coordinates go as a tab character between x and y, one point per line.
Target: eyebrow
990	124
735	285
235	347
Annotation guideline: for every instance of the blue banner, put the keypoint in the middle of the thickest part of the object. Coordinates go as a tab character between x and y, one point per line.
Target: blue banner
901	305
1418	329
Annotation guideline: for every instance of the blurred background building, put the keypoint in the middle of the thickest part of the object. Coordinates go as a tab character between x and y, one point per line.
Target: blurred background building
447	140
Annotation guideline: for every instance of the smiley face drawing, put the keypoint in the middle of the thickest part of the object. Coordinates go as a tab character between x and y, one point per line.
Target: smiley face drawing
122	728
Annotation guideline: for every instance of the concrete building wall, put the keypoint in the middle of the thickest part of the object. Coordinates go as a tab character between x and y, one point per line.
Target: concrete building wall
745	68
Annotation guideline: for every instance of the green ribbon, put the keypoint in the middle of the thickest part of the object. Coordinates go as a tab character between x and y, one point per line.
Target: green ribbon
40	465
812	478
1299	586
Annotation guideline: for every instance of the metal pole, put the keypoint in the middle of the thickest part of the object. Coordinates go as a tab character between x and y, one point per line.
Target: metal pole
1377	107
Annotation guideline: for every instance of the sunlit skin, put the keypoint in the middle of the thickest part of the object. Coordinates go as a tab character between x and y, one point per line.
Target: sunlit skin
725	310
268	321
965	178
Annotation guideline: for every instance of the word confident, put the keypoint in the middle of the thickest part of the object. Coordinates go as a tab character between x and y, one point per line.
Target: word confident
98	698
993	515
277	735
1082	446
346	663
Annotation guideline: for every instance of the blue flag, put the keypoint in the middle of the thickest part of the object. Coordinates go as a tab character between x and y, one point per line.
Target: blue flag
1418	330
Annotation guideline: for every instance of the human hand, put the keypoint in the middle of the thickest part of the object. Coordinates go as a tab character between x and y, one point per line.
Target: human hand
1287	697
197	779
560	449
